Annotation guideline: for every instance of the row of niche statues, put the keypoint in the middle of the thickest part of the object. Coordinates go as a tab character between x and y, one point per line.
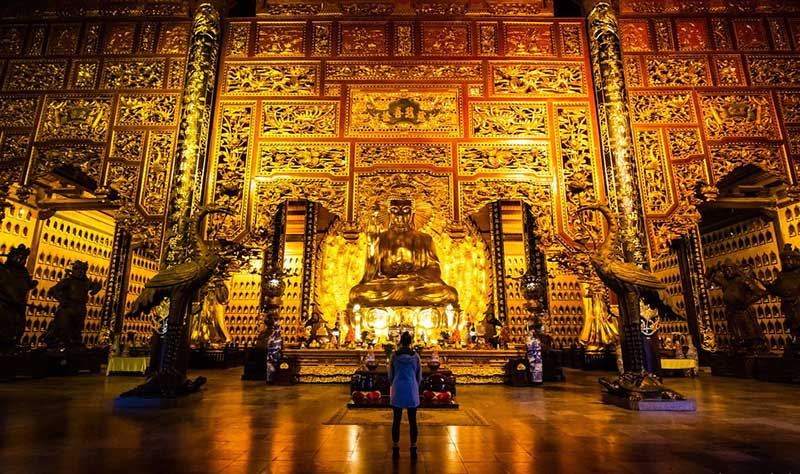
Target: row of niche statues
71	293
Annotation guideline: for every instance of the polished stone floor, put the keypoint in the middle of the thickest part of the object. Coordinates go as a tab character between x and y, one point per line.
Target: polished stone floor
66	425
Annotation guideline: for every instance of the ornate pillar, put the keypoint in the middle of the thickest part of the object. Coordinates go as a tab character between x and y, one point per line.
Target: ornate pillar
499	262
693	271
309	257
192	148
620	164
535	258
272	284
113	310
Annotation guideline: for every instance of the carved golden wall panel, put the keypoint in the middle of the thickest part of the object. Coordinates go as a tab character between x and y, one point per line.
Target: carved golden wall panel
300	119
790	106
531	79
400	71
12	39
145	109
238	40
268	194
91	38
127	145
726	158
777	71
672	71
155	186
280	39
332	90
487	39
664	35
63	39
662	108
86	158
386	154
81	118
779	33
529	39
418	111
432	193
721	34
750	34
134	74
729	70
36	40
793	137
636	36
177	68
278	79
362	39
330	158
474	158
738	115
571	40
404	39
692	34
508	120
147	38
577	165
174	38
16	111
654	176
684	143
446	39
84	74
633	72
35	75
14	148
321	39
119	38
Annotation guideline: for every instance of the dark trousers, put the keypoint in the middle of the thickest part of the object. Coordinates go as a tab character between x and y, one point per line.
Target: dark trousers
412	424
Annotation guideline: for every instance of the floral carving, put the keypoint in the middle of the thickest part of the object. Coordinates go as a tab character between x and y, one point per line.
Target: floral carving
445	40
127	145
529	39
76	118
147	110
137	74
667	108
790	106
488	39
675	72
269	194
508	120
271	79
18	111
404	40
777	71
280	39
230	165
35	75
545	79
321	41
363	40
571	39
380	112
119	38
238	39
371	154
738	116
174	39
652	167
299	119
577	165
684	143
497	158
403	71
303	157
726	158
156	173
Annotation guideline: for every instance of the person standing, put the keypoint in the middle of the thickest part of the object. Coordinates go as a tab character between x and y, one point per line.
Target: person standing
405	374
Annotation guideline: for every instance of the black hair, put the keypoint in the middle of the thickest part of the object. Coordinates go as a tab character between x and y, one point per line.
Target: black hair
405	339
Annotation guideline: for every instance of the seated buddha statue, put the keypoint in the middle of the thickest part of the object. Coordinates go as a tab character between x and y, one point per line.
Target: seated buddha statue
402	268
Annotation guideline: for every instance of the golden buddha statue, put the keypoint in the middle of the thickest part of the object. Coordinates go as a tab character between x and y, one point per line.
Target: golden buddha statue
402	268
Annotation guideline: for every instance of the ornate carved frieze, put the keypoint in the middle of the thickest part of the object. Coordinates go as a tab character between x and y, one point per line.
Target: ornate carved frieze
431	192
147	38
36	40
177	66
81	118
633	72
778	71
475	158
91	39
780	34
87	159
729	70
519	8
238	39
330	158
174	38
446	39
321	39
664	35
684	143
230	165
124	178
571	39
280	39
35	75
793	138
332	90
362	39
14	152
63	39
127	145
487	39
119	38
439	7
475	90
790	106
404	39
271	192
688	177
400	71
750	34
721	34
661	108
300	119
388	154
663	71
134	74
577	164
508	120
145	109
530	79
12	38
529	39
278	79
417	111
636	36
160	151
84	74
288	8
726	158
18	111
692	34
738	115
361	8
655	179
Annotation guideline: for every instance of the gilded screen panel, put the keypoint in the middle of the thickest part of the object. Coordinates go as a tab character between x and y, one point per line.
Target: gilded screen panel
672	71
729	70
508	120
572	42
16	111
127	145
134	74
487	39
684	143
362	39
271	79
751	34
237	41
636	36
84	74
692	34
577	167
790	106
174	38
774	71
654	175
35	75
738	115
393	111
404	39
387	154
445	39
12	38
431	192
280	39
529	39
160	150
147	109
80	118
321	39
662	108
332	158
474	158
300	119
531	79
63	39
119	38
401	71
14	148
725	158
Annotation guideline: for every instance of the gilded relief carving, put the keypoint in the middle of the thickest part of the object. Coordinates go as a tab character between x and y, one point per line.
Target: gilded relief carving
288	9
778	71
285	39
633	72
18	111
35	75
726	158
63	39
451	39
689	178
230	165
124	178
385	154
346	70
299	119
654	175
147	38
134	74
571	39
663	30
420	111
147	110
127	145
12	37
174	39
577	165
790	106
721	34
332	90
271	79
692	34
85	75
528	7
475	90
529	39
477	158
177	67
362	40
728	116
793	137
523	79
156	173
36	42
330	158
238	39
75	118
270	193
663	108
677	72
780	36
431	193
321	41
119	39
487	34
729	70
360	8
635	35
439	7
86	159
14	154
508	120
404	40
684	143
750	34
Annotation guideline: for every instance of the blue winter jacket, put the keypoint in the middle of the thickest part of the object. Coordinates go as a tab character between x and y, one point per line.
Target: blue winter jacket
405	374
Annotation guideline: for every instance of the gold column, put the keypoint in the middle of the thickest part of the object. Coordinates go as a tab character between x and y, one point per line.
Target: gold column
191	152
693	271
309	259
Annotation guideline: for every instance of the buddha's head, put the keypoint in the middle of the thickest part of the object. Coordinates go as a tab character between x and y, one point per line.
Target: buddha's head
401	213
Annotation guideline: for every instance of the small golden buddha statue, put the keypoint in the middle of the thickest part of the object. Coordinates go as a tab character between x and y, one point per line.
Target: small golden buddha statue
402	268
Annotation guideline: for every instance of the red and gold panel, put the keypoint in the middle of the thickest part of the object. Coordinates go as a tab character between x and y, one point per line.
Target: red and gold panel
636	36
750	34
738	116
692	34
280	39
529	39
119	38
446	39
63	39
363	39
